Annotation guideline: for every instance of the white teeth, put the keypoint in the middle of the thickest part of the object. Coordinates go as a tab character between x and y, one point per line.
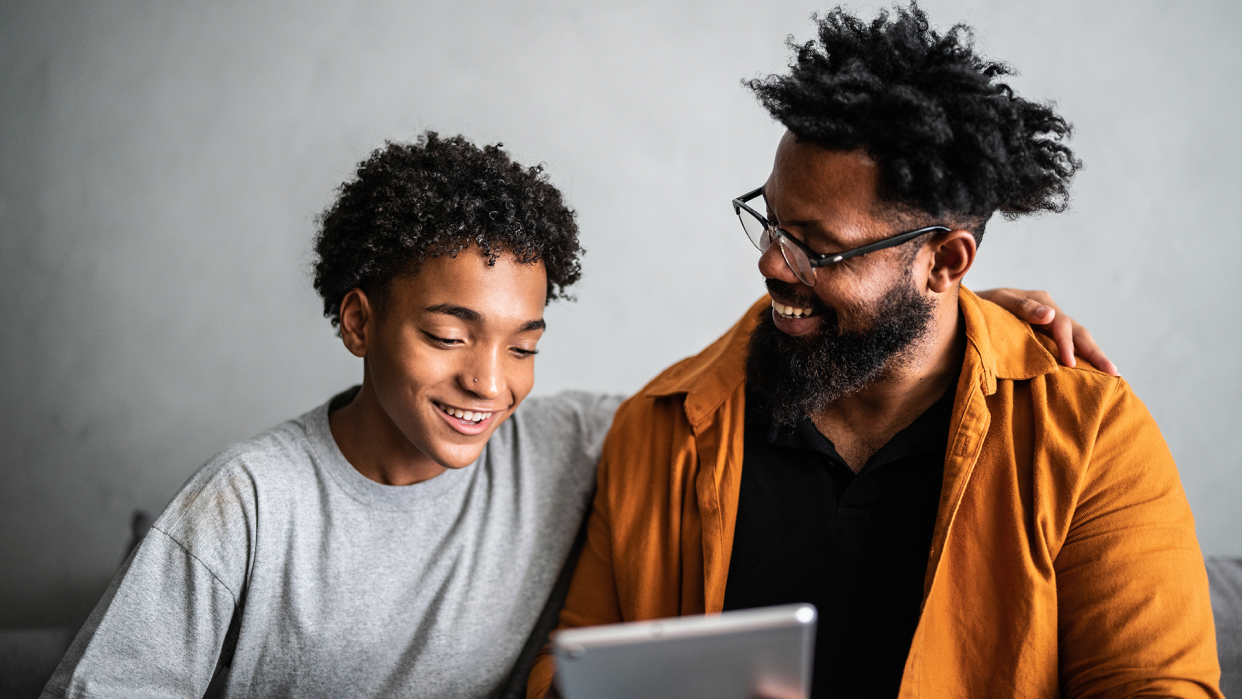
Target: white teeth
790	311
467	415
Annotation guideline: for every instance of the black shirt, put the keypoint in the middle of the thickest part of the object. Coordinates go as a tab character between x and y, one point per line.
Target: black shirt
855	546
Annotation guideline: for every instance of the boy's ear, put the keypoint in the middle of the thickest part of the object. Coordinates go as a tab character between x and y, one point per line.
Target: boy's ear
357	321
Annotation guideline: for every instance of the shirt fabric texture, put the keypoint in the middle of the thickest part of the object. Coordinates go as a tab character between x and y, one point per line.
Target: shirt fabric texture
1063	561
855	545
282	565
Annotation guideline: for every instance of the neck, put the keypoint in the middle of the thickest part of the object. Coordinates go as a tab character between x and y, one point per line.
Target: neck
863	422
373	444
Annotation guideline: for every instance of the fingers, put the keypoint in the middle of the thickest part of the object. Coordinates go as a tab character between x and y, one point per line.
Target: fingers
1062	331
1035	307
1072	338
1089	350
1036	313
1038	309
771	690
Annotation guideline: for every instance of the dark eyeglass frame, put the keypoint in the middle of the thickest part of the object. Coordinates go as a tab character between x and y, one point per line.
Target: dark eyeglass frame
815	259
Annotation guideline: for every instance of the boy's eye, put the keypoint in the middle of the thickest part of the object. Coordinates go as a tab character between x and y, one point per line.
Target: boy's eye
525	352
443	340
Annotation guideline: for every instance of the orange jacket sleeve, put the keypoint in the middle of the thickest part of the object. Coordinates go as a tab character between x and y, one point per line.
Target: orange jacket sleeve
1132	591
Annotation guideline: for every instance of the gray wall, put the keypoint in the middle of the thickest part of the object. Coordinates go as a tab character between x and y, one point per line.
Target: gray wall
161	165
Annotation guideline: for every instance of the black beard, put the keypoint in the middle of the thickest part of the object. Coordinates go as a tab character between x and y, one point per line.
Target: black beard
802	375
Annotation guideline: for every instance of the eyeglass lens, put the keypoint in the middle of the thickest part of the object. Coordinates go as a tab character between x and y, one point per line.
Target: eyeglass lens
797	261
762	237
755	230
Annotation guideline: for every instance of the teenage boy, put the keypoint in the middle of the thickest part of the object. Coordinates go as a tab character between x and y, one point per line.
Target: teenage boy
348	552
351	552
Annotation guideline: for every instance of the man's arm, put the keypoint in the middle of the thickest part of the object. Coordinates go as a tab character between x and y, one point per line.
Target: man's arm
157	631
1134	617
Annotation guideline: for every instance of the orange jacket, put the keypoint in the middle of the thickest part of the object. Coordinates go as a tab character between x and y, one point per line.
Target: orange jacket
1063	559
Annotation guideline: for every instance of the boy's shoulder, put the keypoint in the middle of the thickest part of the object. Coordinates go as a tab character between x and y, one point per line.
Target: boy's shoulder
228	488
558	435
570	410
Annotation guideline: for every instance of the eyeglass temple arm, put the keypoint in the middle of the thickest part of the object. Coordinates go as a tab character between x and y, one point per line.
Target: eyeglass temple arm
896	240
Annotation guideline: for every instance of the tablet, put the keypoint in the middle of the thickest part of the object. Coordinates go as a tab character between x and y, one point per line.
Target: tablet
767	651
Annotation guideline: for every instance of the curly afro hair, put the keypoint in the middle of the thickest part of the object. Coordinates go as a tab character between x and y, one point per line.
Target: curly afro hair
437	196
949	138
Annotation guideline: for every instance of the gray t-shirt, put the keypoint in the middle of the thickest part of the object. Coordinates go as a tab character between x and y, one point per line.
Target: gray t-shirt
322	583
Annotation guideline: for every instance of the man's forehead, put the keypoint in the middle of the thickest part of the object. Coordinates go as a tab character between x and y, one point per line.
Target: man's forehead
814	164
816	188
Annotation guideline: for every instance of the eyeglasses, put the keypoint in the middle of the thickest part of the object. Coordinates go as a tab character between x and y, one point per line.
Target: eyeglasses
800	258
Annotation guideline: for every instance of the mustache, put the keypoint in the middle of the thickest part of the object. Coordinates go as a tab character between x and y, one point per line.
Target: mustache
796	295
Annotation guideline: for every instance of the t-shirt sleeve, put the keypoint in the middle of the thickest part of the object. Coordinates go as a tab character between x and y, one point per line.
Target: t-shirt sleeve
157	631
160	627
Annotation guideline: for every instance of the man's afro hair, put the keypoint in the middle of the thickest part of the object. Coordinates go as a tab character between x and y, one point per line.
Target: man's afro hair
949	138
437	196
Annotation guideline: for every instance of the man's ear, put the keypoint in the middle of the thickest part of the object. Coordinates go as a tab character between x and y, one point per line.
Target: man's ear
357	321
952	255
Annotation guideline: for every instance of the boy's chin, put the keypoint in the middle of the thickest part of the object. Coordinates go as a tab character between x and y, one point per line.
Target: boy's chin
459	458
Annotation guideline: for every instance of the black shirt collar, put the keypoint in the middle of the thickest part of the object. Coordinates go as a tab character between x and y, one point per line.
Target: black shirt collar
928	434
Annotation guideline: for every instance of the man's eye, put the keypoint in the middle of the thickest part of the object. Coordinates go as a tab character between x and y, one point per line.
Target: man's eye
525	352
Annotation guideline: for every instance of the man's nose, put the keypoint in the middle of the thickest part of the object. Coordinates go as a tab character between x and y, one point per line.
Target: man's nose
772	265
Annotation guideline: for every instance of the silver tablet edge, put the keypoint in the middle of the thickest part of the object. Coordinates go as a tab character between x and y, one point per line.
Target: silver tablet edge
678	627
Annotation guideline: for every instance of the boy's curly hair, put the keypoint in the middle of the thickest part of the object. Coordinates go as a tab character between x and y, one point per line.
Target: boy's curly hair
437	196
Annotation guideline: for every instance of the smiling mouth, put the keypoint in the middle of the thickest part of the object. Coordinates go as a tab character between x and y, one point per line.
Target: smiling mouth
471	416
791	311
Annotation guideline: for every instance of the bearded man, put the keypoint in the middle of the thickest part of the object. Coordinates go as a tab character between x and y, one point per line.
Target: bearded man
969	518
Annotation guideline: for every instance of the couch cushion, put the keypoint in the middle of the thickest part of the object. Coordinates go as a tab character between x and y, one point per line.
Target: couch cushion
28	657
1225	579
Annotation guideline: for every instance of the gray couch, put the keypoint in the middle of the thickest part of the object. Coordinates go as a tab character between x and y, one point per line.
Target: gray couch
28	657
1225	578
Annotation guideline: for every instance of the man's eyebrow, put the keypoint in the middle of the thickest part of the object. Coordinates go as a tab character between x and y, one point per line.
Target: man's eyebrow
811	223
808	225
466	314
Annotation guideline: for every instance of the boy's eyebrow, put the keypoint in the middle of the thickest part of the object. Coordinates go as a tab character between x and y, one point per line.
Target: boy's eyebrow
472	316
467	314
